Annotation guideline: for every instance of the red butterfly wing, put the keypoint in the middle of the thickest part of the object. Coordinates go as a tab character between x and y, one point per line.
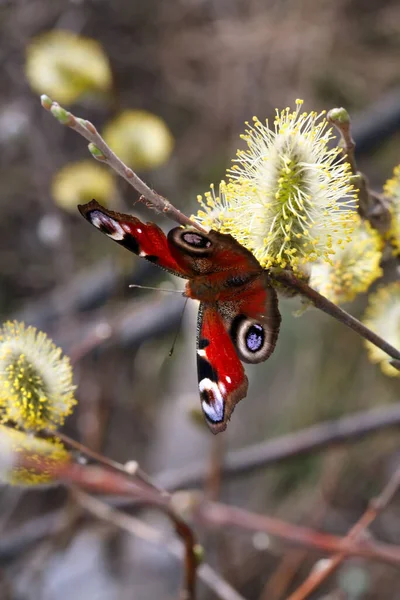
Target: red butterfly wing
253	320
244	328
144	239
222	380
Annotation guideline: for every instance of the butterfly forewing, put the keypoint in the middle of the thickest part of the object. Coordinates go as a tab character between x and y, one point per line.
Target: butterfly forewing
143	239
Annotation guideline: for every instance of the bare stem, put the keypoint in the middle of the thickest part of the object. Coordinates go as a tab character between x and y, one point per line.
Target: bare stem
104	480
127	470
103	153
317	577
139	528
225	516
371	205
288	279
340	118
100	479
313	439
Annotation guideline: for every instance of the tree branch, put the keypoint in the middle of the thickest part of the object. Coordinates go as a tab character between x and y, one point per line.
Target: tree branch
287	278
131	469
317	437
141	529
376	506
103	153
104	480
223	515
371	206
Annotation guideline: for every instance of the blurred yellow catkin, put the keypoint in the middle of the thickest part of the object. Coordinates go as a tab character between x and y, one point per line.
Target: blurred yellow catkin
80	182
66	66
43	456
383	317
141	139
392	191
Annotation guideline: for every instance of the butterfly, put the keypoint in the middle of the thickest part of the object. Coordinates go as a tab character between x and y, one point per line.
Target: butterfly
238	319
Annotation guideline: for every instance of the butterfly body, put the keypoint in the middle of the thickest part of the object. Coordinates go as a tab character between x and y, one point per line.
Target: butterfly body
238	316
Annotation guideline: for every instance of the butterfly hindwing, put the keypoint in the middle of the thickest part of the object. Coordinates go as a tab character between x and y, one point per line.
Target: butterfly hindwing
222	380
143	239
242	329
253	320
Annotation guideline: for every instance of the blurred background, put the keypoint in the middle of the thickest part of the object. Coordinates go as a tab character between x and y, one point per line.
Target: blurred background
199	69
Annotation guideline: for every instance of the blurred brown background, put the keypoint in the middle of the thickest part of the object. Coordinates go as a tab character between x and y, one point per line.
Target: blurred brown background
204	66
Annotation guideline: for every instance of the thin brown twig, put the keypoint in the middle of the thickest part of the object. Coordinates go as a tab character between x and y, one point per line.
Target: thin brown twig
145	531
103	480
106	481
376	506
212	488
223	515
292	561
340	118
132	470
246	460
289	279
87	130
371	206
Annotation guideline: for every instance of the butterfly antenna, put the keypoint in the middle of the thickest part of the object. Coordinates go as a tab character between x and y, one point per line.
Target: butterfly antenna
157	289
178	329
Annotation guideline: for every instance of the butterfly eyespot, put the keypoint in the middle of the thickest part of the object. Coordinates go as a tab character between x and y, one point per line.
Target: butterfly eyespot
251	339
255	337
196	240
191	241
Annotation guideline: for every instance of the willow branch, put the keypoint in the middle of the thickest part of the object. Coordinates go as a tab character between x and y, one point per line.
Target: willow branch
222	515
246	460
103	480
131	469
340	118
288	279
145	531
103	153
257	456
371	206
289	566
376	506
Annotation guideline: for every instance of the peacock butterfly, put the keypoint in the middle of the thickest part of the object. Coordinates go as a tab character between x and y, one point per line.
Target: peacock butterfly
238	317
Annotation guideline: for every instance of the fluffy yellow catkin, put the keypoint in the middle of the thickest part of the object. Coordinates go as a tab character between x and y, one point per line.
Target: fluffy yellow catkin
43	456
353	267
36	388
288	198
383	317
